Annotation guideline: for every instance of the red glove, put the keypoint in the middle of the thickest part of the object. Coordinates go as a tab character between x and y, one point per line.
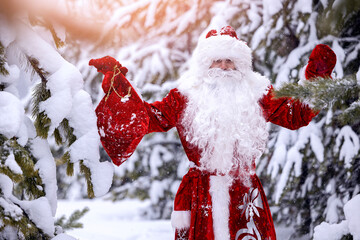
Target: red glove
321	63
106	65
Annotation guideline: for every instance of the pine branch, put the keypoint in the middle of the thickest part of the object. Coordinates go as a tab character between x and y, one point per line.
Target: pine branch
41	93
4	150
347	237
42	125
22	157
86	171
13	176
70	169
31	182
72	222
350	114
23	223
323	92
42	121
57	40
64	133
20	222
34	63
65	159
68	132
3	70
58	137
34	20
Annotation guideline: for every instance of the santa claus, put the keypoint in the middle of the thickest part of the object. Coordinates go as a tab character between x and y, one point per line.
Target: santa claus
220	110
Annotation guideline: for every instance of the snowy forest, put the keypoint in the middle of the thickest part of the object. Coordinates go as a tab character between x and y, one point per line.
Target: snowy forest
50	149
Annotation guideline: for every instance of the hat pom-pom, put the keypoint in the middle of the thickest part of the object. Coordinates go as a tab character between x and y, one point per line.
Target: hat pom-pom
228	30
211	33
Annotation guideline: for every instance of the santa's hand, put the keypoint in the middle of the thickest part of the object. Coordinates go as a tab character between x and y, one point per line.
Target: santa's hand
110	68
321	63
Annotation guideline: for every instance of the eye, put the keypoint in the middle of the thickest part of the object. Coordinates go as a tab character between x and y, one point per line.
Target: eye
228	61
218	61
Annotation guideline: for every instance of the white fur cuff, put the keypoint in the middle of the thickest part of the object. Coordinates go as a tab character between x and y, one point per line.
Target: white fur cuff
180	219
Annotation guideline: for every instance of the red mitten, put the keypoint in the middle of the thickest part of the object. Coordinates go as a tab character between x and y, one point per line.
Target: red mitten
321	63
106	65
121	115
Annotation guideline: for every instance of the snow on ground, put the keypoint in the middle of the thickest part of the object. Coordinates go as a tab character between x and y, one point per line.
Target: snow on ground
121	220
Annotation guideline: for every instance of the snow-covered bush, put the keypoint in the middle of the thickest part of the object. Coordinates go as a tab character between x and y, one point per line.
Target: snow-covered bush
348	226
61	111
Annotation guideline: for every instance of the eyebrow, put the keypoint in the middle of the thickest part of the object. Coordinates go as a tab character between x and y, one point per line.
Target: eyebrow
221	59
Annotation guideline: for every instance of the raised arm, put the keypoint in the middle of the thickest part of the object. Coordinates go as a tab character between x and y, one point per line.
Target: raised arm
291	113
123	117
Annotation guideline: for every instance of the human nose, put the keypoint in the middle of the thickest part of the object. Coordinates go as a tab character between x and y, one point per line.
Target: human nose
223	65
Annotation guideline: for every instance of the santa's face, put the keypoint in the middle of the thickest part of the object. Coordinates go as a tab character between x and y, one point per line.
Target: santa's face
224	64
223	69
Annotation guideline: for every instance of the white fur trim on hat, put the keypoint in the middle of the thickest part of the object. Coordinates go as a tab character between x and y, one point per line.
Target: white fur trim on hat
180	219
221	47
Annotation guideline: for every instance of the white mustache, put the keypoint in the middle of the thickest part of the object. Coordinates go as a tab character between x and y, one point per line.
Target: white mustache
220	73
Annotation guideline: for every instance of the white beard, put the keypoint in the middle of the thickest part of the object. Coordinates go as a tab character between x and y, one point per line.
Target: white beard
224	120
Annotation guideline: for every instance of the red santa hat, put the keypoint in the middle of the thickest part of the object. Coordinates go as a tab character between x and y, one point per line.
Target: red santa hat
223	44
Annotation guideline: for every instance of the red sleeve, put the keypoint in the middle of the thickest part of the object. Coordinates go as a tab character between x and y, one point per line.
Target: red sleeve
286	112
293	114
163	115
122	123
123	118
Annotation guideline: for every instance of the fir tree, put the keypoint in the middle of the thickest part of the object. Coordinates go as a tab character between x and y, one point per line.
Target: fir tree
319	171
27	167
